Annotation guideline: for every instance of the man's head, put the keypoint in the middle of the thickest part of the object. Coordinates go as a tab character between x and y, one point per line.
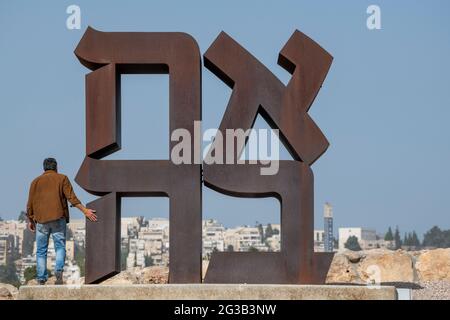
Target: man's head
50	164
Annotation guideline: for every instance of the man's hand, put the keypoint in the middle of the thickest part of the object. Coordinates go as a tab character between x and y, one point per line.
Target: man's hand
31	226
90	214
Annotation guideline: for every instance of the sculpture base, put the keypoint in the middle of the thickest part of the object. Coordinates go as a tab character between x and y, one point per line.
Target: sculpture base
206	292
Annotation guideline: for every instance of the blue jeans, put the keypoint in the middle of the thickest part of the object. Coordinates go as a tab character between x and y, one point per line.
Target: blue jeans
57	229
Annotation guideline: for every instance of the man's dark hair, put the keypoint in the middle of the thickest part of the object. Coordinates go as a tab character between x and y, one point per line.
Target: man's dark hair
50	164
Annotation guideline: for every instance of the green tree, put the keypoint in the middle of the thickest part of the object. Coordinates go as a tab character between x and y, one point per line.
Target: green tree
406	239
79	256
389	236
22	216
261	232
28	243
69	234
446	237
415	240
266	243
397	239
29	273
141	221
335	243
8	274
435	237
123	258
148	261
252	249
269	231
352	244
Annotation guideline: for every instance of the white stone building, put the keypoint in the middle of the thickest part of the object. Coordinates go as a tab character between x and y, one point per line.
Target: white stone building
367	238
15	229
78	229
244	238
274	243
213	237
4	249
319	238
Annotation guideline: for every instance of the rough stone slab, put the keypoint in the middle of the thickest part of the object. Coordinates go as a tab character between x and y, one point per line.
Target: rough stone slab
206	292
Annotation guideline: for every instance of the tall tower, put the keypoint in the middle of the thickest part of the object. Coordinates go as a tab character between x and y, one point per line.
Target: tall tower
328	227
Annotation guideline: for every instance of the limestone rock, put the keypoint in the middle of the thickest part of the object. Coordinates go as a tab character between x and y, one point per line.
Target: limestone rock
354	256
157	275
205	264
383	266
149	275
371	266
33	282
5	294
342	271
74	282
125	277
434	265
8	292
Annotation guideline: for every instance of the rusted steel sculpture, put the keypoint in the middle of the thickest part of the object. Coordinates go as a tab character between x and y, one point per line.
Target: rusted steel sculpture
109	55
255	90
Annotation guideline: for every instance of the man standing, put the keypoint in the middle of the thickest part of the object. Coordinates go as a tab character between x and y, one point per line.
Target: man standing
48	213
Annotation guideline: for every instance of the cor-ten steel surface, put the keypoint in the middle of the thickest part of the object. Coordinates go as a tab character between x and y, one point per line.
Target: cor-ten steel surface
255	90
110	54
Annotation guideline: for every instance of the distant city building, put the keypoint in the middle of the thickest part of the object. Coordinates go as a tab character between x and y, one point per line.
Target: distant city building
274	242
319	240
136	253
23	264
244	238
71	273
146	239
367	238
275	226
15	230
78	229
328	238
213	237
70	250
5	248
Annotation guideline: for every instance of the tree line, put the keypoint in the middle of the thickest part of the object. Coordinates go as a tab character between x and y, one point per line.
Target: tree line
433	238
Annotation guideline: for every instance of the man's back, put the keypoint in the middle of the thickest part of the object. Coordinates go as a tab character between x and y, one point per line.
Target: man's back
48	214
48	197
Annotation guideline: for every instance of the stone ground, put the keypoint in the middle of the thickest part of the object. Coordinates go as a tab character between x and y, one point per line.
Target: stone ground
8	292
432	290
427	272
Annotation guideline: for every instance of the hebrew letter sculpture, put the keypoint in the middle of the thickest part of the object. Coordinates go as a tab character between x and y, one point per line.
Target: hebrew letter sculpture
110	54
257	90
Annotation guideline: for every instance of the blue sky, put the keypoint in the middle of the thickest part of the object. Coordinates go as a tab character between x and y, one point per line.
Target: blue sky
384	107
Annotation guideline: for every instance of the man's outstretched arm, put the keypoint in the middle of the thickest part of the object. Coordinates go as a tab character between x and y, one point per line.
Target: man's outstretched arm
72	198
89	213
30	215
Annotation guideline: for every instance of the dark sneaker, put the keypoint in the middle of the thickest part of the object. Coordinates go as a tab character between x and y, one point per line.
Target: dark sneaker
59	278
41	282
